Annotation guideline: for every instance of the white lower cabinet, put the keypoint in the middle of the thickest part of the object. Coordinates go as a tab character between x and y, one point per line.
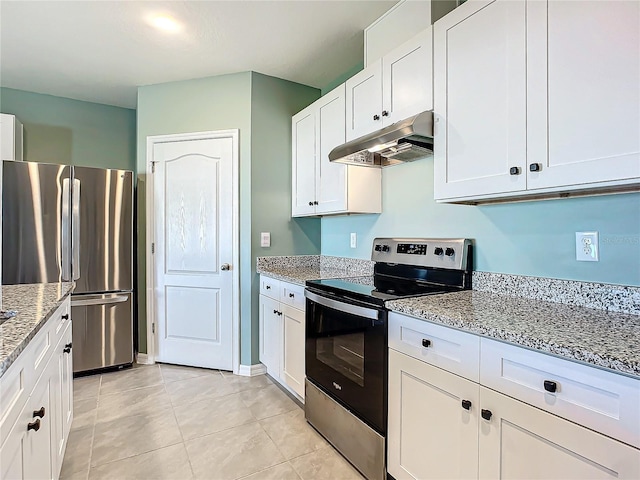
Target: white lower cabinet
282	328
35	444
430	435
442	425
520	441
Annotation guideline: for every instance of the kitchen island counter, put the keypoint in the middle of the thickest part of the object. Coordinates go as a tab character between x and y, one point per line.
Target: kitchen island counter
35	303
596	337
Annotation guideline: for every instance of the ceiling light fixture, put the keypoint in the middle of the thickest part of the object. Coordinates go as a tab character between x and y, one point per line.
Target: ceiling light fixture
166	23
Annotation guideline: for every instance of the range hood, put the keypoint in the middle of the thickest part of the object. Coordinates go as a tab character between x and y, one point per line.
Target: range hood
401	142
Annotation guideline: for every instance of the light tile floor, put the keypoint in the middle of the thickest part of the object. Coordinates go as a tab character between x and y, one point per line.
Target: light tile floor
169	422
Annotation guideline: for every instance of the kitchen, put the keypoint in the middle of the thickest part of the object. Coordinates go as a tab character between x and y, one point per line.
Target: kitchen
535	238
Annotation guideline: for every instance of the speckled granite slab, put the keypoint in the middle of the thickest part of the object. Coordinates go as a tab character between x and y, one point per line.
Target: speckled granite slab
613	298
300	268
605	339
35	303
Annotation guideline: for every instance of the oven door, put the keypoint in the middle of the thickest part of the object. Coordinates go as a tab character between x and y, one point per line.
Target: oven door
346	355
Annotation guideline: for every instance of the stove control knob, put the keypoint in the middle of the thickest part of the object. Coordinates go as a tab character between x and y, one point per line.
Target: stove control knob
385	248
449	252
377	248
438	251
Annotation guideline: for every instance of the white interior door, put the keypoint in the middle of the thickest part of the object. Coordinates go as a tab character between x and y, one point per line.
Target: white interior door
194	206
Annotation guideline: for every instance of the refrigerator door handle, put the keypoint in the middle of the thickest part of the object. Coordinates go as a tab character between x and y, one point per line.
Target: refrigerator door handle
75	228
99	300
64	240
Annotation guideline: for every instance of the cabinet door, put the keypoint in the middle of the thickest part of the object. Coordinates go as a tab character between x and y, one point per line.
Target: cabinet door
407	79
61	382
293	360
270	335
431	435
364	101
67	384
520	441
331	178
480	99
303	156
37	444
583	75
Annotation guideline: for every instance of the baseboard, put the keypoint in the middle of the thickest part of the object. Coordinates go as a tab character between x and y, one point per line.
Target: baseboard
252	370
143	359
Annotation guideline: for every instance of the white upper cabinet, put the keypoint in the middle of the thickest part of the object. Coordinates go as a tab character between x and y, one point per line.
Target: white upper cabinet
536	98
364	101
583	63
406	79
321	187
10	137
391	89
480	99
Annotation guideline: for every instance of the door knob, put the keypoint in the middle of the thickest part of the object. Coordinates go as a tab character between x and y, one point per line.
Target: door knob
225	267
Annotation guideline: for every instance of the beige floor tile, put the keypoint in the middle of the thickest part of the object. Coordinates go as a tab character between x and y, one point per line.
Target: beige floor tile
78	454
143	376
86	387
233	453
175	373
324	463
292	434
84	412
129	436
212	415
267	402
169	463
284	471
133	402
196	389
247	383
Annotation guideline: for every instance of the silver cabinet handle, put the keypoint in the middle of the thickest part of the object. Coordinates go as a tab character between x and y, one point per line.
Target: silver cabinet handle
225	267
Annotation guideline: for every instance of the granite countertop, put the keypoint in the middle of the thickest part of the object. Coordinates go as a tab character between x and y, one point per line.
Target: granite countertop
597	337
35	303
299	275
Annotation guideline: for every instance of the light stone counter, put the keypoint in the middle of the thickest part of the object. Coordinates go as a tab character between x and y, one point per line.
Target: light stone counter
602	338
34	303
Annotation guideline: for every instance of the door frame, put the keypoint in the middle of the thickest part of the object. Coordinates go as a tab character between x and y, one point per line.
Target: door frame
152	140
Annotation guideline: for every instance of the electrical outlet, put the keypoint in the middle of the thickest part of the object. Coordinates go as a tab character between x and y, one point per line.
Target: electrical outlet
587	247
354	240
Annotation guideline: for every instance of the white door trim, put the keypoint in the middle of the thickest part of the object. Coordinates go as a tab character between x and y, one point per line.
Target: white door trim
152	340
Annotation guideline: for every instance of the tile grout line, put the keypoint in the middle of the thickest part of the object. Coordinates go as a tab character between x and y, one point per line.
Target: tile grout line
93	429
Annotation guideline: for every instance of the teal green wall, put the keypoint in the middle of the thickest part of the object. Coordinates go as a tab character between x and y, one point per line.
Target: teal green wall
342	78
62	130
261	108
528	238
273	103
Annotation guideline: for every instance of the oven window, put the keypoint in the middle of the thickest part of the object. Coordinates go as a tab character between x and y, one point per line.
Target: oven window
343	353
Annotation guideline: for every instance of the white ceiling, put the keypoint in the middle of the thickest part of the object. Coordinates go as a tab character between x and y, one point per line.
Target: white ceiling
100	51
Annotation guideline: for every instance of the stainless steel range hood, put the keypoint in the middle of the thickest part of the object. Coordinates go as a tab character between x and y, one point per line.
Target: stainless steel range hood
401	142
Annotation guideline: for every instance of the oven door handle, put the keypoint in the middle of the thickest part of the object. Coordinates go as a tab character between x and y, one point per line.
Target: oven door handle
343	307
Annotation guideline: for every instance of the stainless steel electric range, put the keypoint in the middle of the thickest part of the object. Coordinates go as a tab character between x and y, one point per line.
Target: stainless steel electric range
346	340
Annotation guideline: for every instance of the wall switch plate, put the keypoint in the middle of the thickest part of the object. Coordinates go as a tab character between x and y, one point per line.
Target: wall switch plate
265	239
587	247
354	240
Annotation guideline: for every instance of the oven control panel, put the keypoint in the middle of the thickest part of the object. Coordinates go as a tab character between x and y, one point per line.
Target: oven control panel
426	252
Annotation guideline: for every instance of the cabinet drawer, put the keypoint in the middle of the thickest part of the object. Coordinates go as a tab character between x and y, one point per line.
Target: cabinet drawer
292	295
603	401
270	287
15	387
60	320
447	348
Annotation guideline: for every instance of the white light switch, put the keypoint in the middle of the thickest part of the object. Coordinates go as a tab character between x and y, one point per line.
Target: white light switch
354	240
265	239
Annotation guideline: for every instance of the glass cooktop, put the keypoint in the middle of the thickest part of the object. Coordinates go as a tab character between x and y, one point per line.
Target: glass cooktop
376	289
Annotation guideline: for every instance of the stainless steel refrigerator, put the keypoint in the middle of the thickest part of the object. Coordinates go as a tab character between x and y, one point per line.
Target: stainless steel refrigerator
64	223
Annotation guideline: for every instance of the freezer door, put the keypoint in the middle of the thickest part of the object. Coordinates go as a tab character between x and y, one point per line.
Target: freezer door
102	330
35	223
102	225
